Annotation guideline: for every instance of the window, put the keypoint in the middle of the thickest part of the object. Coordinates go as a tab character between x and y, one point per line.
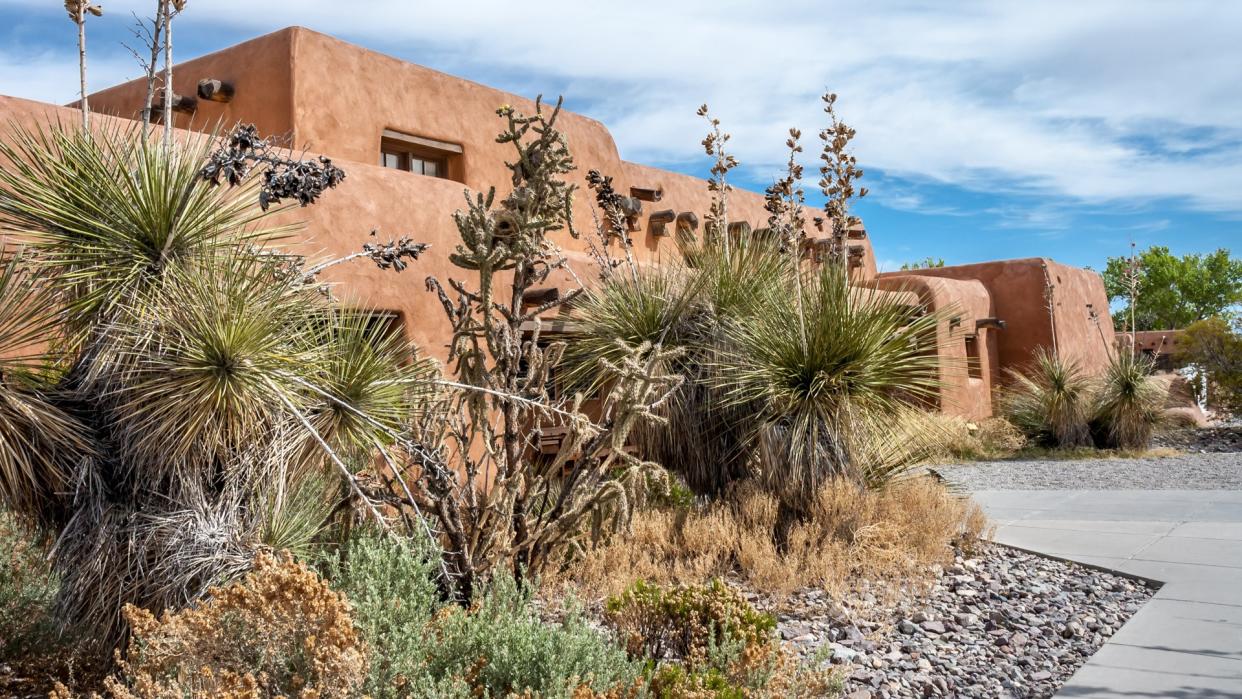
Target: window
974	367
422	156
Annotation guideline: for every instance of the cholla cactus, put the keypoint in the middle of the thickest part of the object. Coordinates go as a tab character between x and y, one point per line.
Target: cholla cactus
498	501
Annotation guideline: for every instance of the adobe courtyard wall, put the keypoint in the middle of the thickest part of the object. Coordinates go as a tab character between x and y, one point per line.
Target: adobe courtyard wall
1080	322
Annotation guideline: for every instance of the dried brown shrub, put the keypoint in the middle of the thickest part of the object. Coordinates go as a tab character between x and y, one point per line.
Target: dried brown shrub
280	631
895	533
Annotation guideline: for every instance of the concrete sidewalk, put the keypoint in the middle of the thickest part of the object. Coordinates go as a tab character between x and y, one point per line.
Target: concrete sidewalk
1187	641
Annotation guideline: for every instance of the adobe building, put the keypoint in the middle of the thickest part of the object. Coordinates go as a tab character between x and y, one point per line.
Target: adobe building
412	139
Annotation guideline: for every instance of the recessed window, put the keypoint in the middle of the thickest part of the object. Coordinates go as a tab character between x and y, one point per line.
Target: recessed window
421	156
974	365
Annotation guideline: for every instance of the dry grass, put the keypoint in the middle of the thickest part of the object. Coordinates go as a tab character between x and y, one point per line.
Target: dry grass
894	533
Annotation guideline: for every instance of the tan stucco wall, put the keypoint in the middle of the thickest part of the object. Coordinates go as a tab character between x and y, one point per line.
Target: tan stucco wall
1018	289
263	66
336	98
331	97
963	303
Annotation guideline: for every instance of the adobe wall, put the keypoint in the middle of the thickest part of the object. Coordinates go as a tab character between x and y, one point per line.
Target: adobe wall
1018	289
337	98
263	66
964	303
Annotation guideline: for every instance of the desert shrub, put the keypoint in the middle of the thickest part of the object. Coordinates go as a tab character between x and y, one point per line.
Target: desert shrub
169	376
958	438
27	590
280	631
998	438
682	306
1215	347
32	644
1050	402
1128	403
392	590
422	647
707	641
501	646
684	622
895	533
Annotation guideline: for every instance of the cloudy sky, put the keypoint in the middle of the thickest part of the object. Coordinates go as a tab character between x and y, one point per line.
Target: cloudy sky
987	129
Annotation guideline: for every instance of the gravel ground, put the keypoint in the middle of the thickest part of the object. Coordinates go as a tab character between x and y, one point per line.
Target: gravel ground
1223	438
1000	623
1211	471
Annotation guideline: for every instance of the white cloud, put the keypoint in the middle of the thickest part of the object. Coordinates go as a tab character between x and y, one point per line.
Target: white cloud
1108	101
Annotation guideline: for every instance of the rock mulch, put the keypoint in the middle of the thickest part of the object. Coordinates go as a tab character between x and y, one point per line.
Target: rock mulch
1000	623
1205	440
1209	471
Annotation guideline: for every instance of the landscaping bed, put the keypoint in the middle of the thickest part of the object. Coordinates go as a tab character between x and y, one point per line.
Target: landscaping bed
1226	438
998	622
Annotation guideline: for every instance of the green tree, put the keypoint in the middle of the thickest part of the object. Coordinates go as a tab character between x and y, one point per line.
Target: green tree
1215	346
1173	291
925	263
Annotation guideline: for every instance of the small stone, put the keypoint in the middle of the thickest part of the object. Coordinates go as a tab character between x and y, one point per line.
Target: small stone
933	627
790	633
842	653
1041	676
906	627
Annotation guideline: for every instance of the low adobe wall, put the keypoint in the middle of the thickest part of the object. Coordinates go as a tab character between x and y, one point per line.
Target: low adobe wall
1080	322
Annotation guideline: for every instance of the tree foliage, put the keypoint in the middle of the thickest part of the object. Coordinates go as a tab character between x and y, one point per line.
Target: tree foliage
1173	291
925	263
1215	346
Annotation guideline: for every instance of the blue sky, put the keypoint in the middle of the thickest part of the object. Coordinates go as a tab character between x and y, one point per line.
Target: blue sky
987	130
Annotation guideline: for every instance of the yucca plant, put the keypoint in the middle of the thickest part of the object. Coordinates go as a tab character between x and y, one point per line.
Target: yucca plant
821	377
1128	403
682	306
1051	401
171	382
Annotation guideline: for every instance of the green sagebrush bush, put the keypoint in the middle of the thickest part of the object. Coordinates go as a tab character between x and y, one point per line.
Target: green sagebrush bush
683	622
27	594
706	641
423	648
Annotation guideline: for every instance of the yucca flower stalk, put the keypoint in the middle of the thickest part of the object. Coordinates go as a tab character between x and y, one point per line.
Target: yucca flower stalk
78	10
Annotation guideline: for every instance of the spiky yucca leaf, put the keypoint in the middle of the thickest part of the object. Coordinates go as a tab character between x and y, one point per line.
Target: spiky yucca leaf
107	211
39	442
820	375
683	306
206	363
655	306
368	382
1051	401
1128	403
293	521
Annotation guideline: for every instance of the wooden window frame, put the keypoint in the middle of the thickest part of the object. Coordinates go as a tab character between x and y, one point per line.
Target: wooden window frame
408	150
